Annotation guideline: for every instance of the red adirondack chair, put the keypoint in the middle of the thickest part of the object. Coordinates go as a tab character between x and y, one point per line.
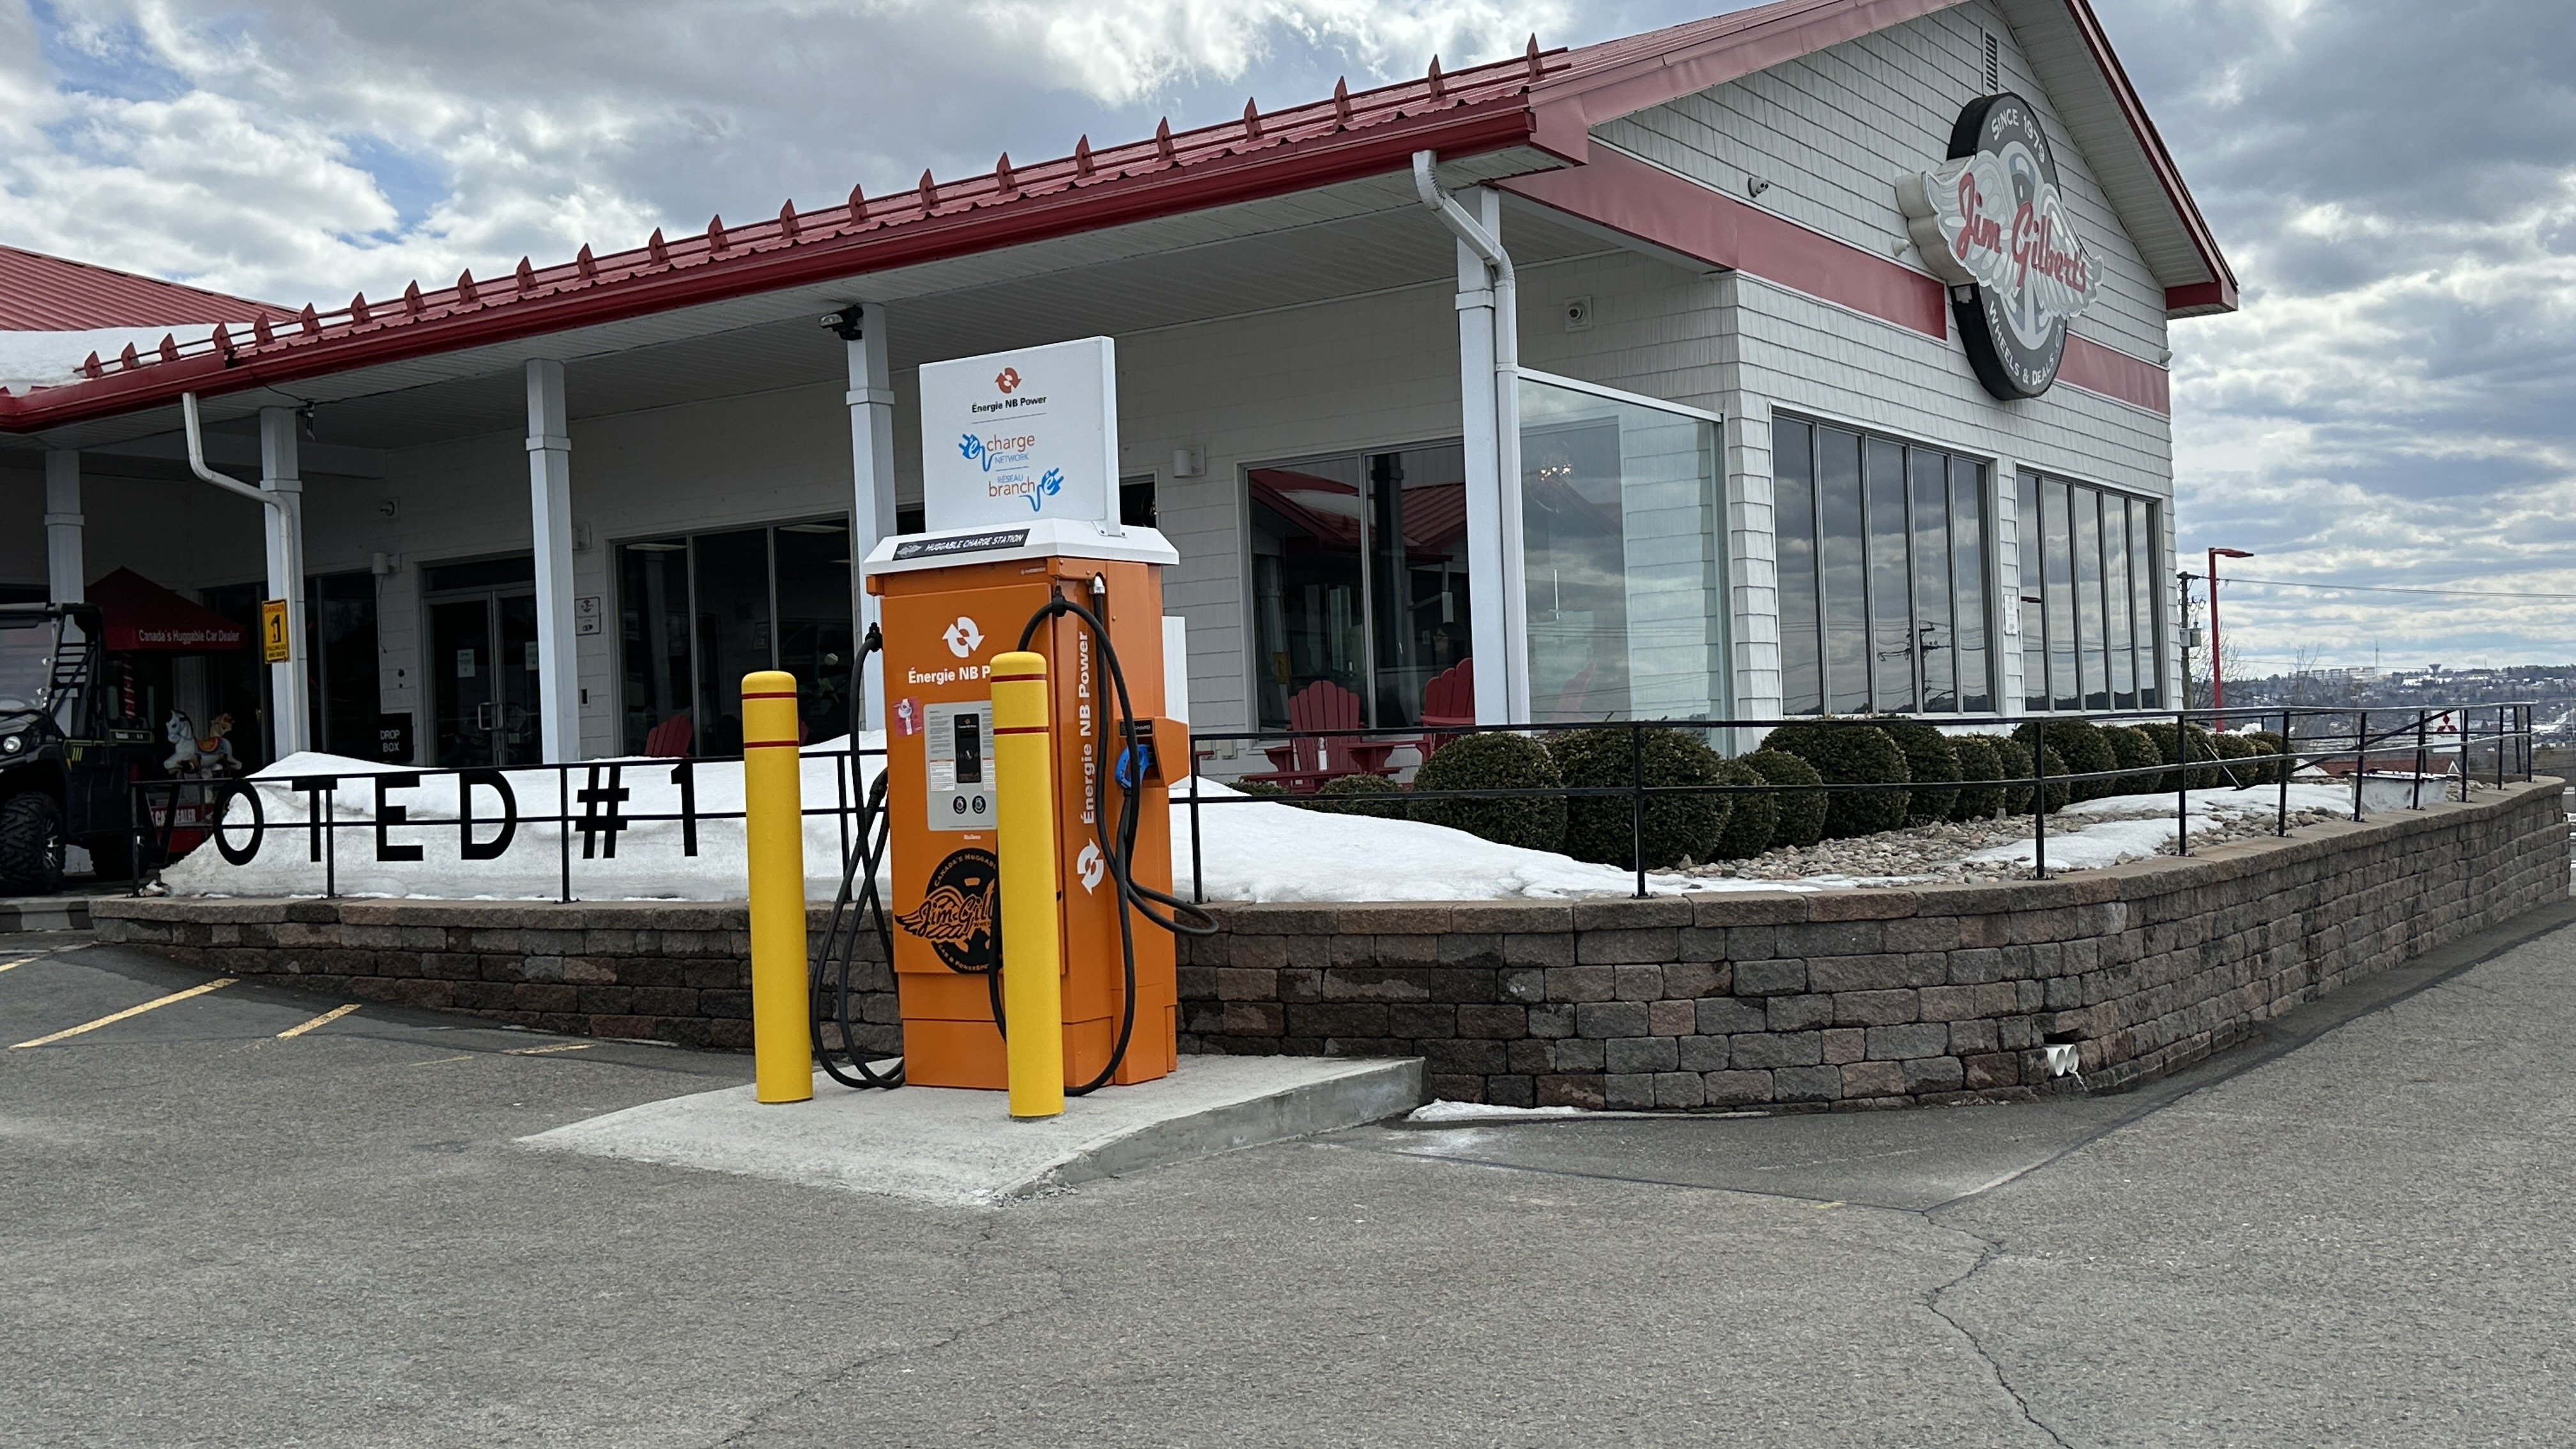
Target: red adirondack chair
1448	703
1303	765
670	739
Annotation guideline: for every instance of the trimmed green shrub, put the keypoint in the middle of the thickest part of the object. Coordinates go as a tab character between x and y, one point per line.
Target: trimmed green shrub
2132	750
2238	747
2196	744
1266	789
1850	754
1801	813
1361	795
1495	762
1977	761
1929	760
2015	757
2080	741
2276	746
1753	819
1603	828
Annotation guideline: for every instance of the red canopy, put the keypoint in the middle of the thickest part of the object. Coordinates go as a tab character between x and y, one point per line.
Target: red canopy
142	615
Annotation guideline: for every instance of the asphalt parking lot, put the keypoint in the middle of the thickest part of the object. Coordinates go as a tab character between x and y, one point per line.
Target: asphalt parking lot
240	1215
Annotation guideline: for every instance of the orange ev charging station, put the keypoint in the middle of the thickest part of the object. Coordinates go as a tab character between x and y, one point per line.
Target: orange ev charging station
1021	502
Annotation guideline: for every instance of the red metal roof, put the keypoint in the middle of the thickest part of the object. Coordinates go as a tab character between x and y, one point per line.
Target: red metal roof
39	293
1541	99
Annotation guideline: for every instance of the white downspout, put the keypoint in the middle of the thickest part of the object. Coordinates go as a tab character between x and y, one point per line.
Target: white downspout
1481	237
290	727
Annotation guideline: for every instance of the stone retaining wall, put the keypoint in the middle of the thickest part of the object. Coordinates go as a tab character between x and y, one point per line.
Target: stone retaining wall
1836	998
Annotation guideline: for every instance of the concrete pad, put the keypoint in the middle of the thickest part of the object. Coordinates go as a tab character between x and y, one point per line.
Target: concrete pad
961	1148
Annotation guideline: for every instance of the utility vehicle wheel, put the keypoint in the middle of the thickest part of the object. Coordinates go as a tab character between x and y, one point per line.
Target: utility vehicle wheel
31	845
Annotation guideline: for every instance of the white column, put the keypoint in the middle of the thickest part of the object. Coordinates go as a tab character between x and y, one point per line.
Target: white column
1492	573
550	512
1505	388
290	703
2003	567
871	402
63	572
1752	525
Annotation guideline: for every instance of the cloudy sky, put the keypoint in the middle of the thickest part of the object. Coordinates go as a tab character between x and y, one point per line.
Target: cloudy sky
2395	182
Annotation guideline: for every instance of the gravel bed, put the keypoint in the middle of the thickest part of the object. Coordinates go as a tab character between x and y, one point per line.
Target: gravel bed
1937	853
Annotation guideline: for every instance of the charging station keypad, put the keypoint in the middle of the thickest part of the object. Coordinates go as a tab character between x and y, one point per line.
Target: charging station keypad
958	750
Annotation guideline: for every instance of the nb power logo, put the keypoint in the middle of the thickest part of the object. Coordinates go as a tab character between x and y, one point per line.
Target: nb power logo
962	637
1008	380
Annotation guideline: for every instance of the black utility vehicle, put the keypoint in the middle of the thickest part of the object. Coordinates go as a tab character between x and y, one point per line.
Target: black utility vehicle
68	754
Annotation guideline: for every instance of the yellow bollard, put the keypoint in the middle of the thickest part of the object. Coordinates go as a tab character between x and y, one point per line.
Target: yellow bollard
1024	804
773	827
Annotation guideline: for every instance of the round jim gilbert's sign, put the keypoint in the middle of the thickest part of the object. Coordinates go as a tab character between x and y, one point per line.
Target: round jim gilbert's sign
1991	222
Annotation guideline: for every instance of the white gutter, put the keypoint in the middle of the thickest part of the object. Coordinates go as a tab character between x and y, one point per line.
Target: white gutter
197	459
291	713
1513	595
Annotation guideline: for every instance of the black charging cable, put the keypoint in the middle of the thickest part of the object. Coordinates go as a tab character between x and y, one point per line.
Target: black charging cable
1118	846
835	964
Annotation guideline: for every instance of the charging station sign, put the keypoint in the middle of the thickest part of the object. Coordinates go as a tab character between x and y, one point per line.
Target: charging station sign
1014	437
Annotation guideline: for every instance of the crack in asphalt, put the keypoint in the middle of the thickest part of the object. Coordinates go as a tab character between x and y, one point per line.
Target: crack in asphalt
1988	1251
1055	1296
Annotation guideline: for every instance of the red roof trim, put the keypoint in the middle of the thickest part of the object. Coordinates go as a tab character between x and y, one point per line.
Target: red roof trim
1680	215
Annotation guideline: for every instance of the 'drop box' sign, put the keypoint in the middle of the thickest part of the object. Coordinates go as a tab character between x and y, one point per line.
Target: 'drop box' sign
1012	437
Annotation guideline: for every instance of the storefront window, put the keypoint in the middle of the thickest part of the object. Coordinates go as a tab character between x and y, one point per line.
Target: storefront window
2089	638
340	668
1881	550
1359	582
698	612
1618	506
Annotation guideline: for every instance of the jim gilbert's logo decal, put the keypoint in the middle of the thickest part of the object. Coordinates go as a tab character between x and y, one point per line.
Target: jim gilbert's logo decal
962	637
958	912
1991	222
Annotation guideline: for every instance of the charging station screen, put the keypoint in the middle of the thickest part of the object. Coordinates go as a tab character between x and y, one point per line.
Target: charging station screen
957	741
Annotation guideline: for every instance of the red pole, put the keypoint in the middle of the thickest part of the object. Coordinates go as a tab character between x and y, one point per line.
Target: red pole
2217	670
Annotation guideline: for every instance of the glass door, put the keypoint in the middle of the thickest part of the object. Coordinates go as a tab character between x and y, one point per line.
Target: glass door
461	671
483	668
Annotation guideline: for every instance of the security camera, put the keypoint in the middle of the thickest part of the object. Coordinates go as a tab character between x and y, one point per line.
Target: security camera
845	322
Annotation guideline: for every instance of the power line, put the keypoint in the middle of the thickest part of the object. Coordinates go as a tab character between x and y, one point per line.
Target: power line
2392	589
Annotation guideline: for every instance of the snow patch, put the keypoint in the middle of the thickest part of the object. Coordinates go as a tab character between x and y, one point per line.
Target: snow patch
1444	1110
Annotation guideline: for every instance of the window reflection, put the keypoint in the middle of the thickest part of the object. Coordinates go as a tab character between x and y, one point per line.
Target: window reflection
1619	535
2089	625
1882	571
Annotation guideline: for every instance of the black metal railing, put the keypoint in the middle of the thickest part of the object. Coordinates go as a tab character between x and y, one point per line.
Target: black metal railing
235	816
2312	737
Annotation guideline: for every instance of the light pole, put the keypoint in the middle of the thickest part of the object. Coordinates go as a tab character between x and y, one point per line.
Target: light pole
2217	669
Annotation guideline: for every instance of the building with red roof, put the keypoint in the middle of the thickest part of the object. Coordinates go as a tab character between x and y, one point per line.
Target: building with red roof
1806	358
